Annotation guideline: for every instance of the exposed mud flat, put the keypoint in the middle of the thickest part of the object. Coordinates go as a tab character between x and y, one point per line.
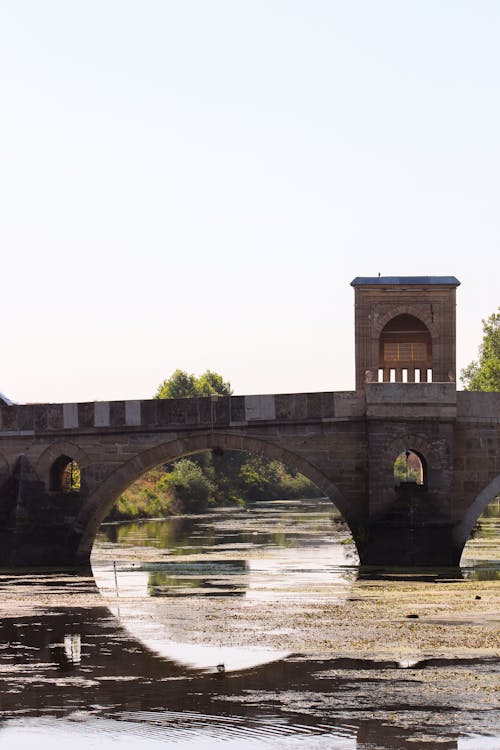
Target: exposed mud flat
273	605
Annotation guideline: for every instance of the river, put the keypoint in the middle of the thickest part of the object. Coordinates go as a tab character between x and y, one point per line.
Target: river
252	628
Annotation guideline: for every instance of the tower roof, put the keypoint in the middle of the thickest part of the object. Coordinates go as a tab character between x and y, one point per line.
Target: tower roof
405	281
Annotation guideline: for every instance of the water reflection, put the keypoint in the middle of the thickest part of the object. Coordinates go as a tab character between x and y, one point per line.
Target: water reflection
80	663
115	663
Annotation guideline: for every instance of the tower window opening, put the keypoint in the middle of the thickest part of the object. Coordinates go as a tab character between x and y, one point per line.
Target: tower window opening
405	344
408	468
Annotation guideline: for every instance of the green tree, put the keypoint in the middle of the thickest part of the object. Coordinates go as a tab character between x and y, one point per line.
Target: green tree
184	385
211	382
179	385
484	374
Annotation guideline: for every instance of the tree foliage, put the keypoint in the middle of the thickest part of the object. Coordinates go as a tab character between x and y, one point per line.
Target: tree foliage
185	385
483	374
190	489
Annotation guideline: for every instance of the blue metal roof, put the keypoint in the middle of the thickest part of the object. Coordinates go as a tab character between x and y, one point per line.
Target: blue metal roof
406	280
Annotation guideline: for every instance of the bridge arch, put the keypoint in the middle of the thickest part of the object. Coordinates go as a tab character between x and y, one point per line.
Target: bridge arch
100	502
462	531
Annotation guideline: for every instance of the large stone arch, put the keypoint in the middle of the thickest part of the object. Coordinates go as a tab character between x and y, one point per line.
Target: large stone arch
462	531
98	505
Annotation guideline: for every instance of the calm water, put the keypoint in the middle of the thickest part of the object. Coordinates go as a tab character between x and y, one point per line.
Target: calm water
138	654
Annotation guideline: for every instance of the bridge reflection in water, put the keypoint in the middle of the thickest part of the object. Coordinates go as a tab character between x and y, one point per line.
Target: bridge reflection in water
78	664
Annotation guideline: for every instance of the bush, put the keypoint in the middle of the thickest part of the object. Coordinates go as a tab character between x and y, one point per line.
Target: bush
188	486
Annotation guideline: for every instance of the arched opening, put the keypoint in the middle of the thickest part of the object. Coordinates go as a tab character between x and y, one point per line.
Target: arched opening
65	475
410	469
98	504
480	553
405	351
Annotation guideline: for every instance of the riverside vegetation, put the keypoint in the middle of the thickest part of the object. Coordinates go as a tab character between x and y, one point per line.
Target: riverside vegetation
191	485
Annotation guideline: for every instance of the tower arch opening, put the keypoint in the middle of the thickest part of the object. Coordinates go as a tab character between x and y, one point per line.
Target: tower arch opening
410	468
405	351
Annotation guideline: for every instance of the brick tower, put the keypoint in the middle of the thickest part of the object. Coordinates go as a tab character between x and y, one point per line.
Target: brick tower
405	329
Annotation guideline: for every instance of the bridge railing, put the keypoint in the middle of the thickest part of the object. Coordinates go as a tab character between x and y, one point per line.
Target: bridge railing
194	413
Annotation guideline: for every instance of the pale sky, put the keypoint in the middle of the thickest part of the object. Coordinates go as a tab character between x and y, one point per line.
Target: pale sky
195	183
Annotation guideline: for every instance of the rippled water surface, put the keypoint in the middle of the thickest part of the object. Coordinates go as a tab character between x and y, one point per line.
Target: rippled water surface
253	628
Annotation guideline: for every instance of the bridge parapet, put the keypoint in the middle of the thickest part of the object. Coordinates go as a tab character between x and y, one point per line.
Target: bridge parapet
411	401
202	413
478	406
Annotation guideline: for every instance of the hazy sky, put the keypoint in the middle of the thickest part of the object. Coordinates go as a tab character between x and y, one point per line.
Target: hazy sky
194	184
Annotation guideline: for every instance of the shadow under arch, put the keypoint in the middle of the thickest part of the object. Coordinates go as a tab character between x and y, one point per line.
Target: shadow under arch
463	530
4	469
99	504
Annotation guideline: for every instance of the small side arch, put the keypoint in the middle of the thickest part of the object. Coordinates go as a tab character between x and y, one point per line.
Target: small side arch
463	530
410	467
65	475
430	455
48	461
102	500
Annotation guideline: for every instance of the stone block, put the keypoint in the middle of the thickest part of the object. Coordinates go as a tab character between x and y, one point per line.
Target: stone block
314	408
348	404
260	408
179	408
117	413
206	411
102	417
222	411
328	405
132	413
149	412
70	416
237	407
165	412
26	417
86	415
40	418
191	416
291	406
10	418
476	405
54	414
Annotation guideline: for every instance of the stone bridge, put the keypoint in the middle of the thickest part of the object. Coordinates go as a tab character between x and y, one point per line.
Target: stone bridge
345	442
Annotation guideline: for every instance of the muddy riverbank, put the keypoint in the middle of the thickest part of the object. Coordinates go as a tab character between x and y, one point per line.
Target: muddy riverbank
260	620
